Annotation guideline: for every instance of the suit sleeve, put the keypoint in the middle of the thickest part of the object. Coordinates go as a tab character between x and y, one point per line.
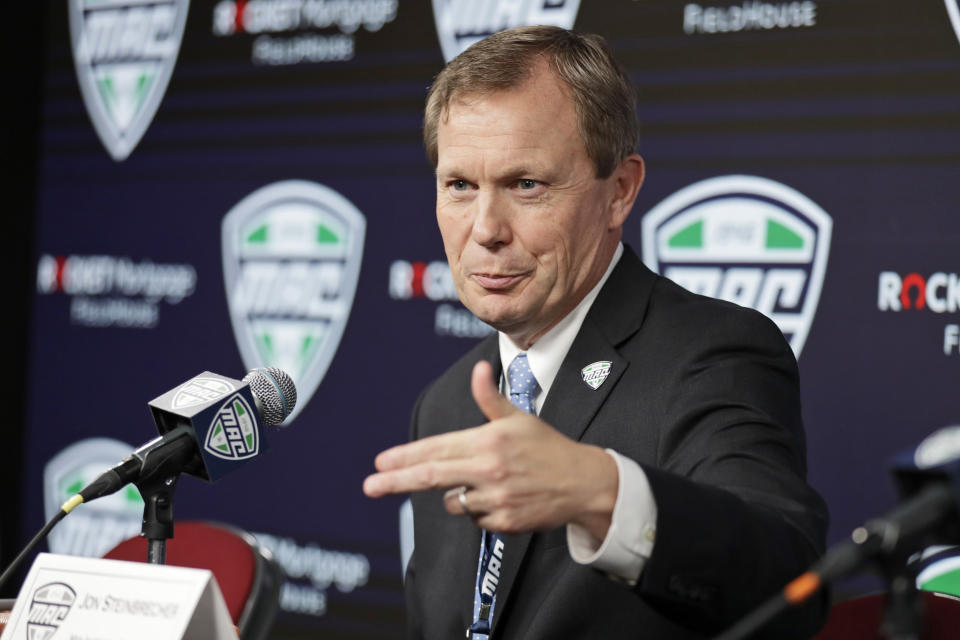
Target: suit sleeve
736	519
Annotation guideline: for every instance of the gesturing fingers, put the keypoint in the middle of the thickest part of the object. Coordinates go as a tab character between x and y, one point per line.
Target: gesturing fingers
474	457
425	464
470	502
456	502
448	446
431	474
493	508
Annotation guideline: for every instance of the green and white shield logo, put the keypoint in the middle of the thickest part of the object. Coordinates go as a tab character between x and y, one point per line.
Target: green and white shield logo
233	434
124	52
200	390
101	524
291	259
595	373
953	9
460	23
745	239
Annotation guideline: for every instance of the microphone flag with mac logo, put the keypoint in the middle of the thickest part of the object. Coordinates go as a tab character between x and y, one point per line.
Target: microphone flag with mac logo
745	239
223	417
124	52
291	261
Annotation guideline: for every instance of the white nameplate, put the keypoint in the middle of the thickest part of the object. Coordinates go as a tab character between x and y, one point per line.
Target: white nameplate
70	598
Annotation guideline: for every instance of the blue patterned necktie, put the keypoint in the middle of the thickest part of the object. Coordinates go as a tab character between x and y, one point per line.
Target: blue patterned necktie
523	388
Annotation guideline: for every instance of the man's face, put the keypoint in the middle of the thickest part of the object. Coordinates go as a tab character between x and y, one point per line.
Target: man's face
527	227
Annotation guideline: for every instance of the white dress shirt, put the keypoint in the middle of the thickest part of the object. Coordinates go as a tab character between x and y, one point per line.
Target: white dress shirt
630	539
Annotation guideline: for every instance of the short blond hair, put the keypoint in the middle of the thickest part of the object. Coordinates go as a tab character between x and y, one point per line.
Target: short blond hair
602	94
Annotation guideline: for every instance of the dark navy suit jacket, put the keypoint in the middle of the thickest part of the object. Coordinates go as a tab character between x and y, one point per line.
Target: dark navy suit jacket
704	395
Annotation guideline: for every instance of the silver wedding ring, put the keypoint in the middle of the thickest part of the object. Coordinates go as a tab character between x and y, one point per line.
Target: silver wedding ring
462	499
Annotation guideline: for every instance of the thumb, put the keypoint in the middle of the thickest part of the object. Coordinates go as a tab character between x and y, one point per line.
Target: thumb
486	394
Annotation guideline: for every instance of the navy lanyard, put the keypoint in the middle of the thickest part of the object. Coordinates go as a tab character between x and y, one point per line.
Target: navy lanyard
488	573
488	578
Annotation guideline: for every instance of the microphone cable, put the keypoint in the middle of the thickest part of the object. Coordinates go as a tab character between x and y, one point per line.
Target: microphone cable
65	508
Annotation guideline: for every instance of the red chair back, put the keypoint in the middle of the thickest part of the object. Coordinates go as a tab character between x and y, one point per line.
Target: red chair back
248	579
860	618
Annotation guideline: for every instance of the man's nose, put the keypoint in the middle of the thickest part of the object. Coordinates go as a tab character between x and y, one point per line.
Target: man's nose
491	225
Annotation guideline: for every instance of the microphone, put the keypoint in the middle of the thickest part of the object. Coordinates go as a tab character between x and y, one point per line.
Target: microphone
935	462
209	426
928	479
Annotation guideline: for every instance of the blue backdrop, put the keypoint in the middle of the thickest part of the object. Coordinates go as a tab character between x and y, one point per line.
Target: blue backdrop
160	118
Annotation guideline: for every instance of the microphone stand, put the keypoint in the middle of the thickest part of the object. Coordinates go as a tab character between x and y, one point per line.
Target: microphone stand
157	482
903	613
885	542
157	516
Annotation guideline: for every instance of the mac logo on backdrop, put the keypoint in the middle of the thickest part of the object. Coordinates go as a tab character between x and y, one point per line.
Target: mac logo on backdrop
745	239
953	8
124	53
291	260
460	23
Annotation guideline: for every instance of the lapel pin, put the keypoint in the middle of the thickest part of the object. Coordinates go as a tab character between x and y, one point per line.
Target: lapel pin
595	373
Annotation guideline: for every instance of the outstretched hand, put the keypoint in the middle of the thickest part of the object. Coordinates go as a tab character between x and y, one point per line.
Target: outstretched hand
521	474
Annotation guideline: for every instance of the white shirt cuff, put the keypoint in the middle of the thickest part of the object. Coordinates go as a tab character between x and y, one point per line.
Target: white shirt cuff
629	540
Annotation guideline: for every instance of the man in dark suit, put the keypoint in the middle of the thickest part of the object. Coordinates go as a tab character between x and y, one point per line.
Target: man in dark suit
646	476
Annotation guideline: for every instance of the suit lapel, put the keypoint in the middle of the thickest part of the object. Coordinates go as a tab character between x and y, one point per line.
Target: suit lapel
572	403
616	314
570	407
472	416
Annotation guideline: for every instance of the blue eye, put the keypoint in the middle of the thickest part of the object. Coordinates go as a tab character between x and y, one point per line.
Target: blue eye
527	183
460	185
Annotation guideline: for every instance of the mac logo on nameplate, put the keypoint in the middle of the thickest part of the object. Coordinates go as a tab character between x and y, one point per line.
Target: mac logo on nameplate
68	597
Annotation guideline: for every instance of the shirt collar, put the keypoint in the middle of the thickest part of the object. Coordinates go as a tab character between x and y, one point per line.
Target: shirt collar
546	355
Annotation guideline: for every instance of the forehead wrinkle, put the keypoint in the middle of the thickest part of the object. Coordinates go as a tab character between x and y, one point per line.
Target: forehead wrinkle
500	150
494	160
500	135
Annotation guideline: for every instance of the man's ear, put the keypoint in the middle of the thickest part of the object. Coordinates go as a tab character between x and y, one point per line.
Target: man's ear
627	179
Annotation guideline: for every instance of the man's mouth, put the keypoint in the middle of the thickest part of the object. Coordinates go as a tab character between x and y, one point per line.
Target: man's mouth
497	281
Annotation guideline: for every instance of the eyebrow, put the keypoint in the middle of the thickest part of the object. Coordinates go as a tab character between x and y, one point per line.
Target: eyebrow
511	174
515	173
